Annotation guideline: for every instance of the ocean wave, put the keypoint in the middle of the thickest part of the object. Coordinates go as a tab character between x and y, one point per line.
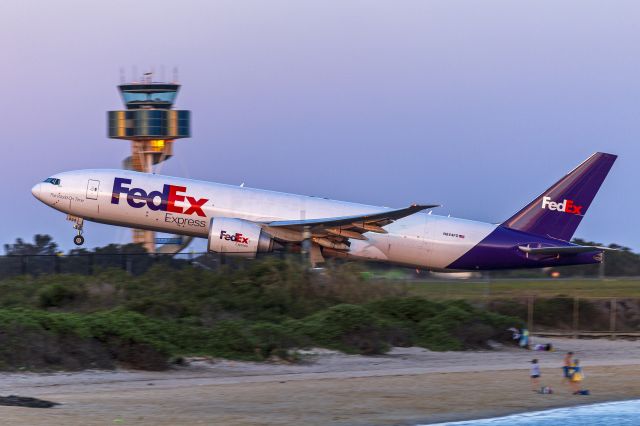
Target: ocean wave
608	413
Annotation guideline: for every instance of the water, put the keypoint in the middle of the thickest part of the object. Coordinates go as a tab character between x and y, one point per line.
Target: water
610	414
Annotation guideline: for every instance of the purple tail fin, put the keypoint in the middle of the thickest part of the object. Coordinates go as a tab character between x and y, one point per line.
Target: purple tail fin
558	211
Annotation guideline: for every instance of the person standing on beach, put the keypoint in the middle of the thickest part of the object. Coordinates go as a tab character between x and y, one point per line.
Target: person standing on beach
535	375
576	377
524	339
568	361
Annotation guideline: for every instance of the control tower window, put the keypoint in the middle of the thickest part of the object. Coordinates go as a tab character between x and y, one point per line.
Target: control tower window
146	98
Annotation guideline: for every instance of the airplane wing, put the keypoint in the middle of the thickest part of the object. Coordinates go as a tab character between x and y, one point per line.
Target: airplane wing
367	222
334	233
563	249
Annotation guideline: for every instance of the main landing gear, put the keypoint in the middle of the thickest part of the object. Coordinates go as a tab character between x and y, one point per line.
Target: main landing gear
79	222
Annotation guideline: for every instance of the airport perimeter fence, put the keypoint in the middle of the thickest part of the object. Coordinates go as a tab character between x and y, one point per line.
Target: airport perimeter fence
90	263
625	264
577	317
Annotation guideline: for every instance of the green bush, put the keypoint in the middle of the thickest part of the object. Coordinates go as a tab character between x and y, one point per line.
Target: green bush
349	328
438	332
408	309
436	337
123	334
274	340
232	339
58	295
257	311
461	326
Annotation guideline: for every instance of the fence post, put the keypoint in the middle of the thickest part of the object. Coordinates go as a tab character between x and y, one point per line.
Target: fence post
576	316
90	264
530	314
23	264
487	289
612	318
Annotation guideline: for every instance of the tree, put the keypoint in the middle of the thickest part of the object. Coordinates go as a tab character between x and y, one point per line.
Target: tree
43	244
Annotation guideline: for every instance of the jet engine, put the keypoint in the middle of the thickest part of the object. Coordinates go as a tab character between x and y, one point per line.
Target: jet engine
238	237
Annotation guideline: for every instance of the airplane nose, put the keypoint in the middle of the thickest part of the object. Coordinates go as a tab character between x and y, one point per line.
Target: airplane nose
37	188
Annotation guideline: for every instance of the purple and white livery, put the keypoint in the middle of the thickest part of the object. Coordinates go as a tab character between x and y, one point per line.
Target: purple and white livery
244	221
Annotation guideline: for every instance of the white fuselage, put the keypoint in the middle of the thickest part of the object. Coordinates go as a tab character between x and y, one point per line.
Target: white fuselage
420	240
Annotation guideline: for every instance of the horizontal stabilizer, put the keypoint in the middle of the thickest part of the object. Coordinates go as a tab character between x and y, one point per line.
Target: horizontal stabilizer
563	249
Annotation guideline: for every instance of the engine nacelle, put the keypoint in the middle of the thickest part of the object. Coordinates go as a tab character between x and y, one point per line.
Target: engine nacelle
238	237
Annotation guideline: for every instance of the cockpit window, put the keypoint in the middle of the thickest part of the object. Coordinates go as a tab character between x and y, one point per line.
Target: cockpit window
54	181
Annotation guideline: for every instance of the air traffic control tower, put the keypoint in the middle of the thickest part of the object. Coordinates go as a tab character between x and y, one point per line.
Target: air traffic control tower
152	126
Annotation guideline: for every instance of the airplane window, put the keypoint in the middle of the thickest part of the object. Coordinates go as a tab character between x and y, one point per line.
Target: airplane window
53	181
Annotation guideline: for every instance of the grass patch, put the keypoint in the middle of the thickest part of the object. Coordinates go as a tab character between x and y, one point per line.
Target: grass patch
501	289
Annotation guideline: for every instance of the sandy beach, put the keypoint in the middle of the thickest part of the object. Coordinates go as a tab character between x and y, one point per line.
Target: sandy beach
407	386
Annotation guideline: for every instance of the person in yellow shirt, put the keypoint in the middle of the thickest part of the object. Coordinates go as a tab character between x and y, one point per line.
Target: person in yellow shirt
567	362
576	377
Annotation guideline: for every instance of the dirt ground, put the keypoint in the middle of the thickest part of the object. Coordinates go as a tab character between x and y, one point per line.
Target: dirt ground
407	386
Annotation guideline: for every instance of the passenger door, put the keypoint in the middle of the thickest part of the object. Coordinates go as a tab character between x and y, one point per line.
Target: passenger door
93	186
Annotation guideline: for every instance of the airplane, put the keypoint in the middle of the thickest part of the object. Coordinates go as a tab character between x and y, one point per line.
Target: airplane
242	221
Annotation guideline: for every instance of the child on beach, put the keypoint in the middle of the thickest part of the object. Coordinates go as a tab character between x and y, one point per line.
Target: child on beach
535	375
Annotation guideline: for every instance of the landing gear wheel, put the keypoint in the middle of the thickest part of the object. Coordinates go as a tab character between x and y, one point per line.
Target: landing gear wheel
78	240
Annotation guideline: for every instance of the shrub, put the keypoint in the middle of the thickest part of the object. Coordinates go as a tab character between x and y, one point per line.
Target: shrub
274	340
436	337
58	294
460	326
231	339
129	338
408	309
349	328
254	311
23	347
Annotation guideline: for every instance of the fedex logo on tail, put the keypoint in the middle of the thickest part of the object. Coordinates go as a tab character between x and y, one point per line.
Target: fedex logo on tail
164	200
566	206
236	238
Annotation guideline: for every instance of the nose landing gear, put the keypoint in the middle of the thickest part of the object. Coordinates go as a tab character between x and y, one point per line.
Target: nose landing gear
78	239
